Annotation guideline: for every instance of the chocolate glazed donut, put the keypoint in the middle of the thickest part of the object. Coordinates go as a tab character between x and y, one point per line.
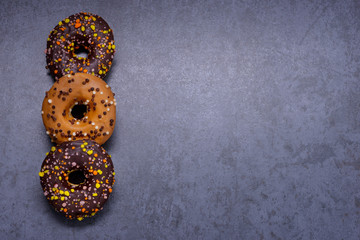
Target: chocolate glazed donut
80	32
77	178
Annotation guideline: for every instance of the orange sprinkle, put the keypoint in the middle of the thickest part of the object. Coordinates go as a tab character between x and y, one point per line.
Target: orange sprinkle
56	71
57	42
95	172
83	210
59	150
77	20
77	25
80	69
63	39
104	160
85	71
65	209
95	155
72	147
110	190
59	59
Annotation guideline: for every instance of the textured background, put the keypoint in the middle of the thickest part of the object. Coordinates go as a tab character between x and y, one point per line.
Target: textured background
236	120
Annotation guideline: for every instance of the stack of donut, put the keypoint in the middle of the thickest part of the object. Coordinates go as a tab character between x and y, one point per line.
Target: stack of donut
79	113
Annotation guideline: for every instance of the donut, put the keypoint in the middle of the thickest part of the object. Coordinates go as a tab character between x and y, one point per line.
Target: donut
77	178
84	32
79	106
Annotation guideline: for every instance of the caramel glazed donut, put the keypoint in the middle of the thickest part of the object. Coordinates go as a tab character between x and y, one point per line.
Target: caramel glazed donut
81	31
79	106
77	178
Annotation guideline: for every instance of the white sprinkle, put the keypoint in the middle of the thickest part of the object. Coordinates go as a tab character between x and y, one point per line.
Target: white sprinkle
107	133
108	109
73	163
85	134
69	139
42	112
54	135
82	203
47	132
114	99
96	127
106	100
107	86
74	134
101	93
49	101
111	102
64	204
76	103
94	92
86	117
77	123
114	104
93	123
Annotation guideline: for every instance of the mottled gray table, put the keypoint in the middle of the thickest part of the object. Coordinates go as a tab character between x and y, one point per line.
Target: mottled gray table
236	120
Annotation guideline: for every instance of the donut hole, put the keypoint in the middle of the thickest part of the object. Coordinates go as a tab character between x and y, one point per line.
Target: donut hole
81	51
76	177
78	111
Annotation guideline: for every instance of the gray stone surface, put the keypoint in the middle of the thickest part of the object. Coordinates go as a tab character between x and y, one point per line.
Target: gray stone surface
236	120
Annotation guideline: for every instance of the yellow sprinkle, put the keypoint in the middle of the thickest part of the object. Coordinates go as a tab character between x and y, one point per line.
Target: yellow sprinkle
41	174
60	177
105	32
86	17
72	190
46	171
82	146
95	34
90	152
93	213
113	46
93	27
84	149
61	192
53	149
52	198
56	197
67	20
97	185
106	165
100	72
94	194
93	18
80	218
85	143
48	39
109	47
82	28
47	153
114	173
67	193
62	198
60	23
56	168
54	189
99	171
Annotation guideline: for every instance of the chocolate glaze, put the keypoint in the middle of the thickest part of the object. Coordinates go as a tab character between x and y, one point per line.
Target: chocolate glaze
77	200
85	30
